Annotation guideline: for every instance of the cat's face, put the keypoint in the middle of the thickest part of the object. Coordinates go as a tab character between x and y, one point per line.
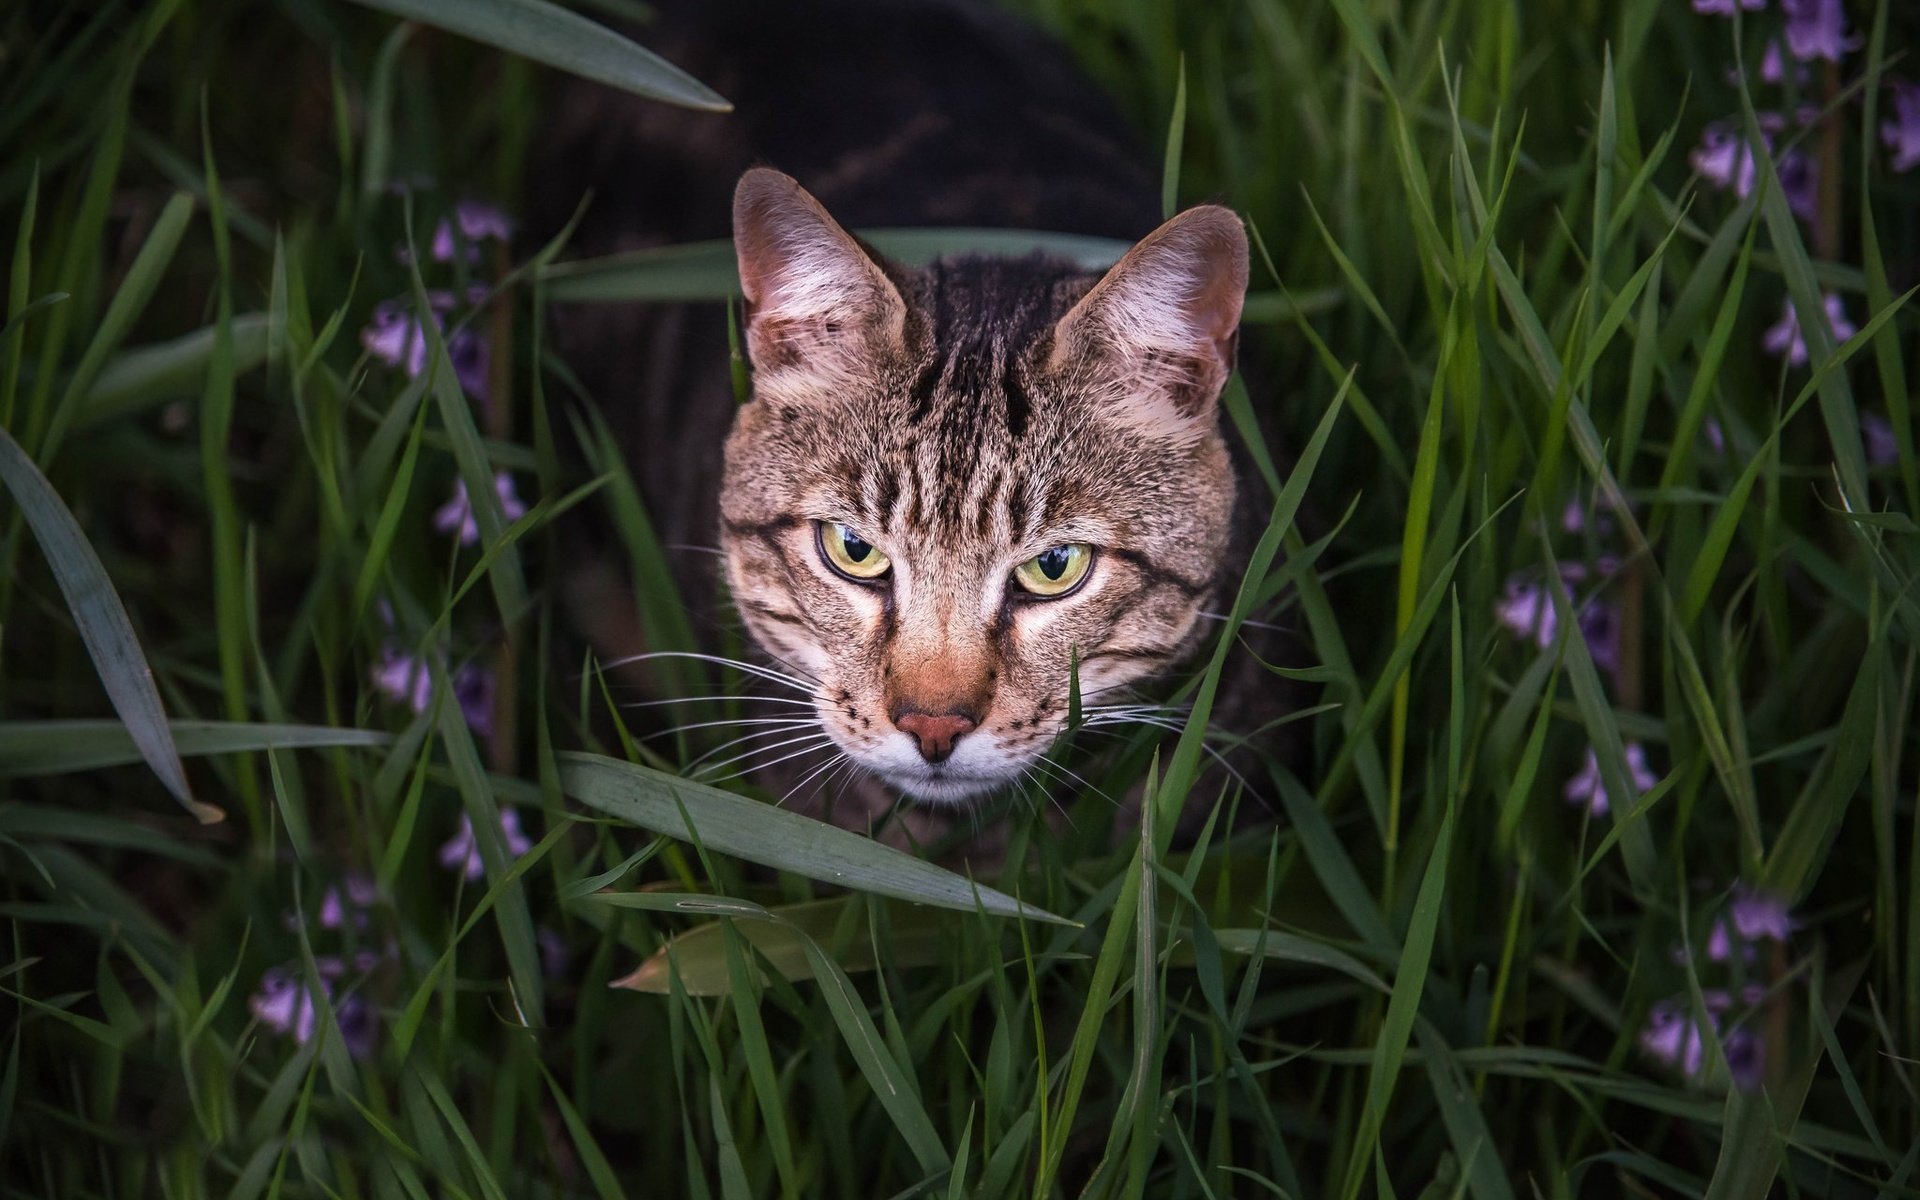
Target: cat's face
952	484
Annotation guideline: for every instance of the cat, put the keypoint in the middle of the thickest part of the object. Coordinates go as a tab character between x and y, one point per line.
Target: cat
953	483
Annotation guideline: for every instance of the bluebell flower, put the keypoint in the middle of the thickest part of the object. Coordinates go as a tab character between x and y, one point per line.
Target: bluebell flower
285	1005
456	515
346	903
1784	336
462	851
1883	449
477	223
1818	29
1527	610
397	337
1902	133
1672	1036
1589	789
1724	8
405	679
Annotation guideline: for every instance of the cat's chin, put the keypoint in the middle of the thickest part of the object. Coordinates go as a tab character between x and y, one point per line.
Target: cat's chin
935	785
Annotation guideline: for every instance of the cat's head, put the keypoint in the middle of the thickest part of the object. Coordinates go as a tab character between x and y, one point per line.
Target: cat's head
955	482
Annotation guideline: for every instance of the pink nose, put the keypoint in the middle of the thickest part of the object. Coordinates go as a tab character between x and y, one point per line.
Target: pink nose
936	735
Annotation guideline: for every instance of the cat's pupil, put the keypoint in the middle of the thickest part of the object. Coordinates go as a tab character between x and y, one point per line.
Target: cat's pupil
1053	563
857	550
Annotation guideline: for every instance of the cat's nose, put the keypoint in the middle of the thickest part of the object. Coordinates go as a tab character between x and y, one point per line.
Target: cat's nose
936	734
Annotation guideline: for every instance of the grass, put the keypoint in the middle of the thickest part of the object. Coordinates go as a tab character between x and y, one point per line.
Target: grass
1489	290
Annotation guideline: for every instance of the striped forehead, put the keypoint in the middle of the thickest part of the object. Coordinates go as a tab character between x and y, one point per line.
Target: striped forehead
947	464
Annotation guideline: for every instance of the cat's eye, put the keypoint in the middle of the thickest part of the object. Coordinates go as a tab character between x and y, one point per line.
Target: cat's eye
1055	572
850	554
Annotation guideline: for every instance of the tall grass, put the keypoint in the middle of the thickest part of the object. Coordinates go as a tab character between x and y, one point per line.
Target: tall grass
1548	516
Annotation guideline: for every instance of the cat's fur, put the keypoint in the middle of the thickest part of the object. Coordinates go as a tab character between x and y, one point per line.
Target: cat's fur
957	414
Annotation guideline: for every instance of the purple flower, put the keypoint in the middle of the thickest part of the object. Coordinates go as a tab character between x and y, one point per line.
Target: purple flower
348	902
1600	627
1902	134
1759	914
1673	1037
403	679
456	515
1724	8
1883	450
477	223
1784	336
1773	65
285	1005
1716	436
1817	29
1588	788
1724	159
356	1018
398	338
472	358
1800	183
1751	915
1527	610
1746	1058
473	689
462	850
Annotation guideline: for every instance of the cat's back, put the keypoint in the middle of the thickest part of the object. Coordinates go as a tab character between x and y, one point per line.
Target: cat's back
892	112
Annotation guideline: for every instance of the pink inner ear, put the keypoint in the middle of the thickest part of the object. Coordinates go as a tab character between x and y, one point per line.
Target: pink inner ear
1175	298
797	266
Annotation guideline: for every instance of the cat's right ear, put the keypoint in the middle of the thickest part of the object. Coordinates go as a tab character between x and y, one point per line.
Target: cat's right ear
815	298
1156	336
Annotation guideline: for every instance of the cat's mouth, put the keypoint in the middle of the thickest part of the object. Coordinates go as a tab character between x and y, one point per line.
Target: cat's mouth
977	766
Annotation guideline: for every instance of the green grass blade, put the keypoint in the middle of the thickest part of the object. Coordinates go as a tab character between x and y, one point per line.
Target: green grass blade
547	33
743	828
57	747
102	621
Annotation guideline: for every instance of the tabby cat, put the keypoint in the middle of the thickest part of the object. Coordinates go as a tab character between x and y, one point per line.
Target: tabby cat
953	482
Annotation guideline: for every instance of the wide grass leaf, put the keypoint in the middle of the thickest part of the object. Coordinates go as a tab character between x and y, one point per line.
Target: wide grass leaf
550	34
57	747
102	622
773	837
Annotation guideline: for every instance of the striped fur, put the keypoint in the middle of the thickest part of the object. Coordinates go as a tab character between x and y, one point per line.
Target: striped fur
964	417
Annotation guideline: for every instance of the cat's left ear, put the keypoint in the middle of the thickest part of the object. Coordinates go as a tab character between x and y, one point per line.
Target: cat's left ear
1159	331
815	297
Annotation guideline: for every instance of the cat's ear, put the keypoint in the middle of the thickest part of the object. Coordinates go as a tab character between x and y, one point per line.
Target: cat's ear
814	296
1157	333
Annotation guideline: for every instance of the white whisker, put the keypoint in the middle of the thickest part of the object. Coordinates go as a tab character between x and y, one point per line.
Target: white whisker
822	742
740	722
694	768
766	673
719	699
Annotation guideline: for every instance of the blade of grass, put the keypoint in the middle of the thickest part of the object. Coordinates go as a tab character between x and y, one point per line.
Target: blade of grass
547	33
102	621
743	828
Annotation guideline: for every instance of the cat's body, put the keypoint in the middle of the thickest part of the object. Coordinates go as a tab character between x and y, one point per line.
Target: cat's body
959	422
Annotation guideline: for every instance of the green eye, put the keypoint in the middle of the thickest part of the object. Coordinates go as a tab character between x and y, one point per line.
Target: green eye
1055	572
850	554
